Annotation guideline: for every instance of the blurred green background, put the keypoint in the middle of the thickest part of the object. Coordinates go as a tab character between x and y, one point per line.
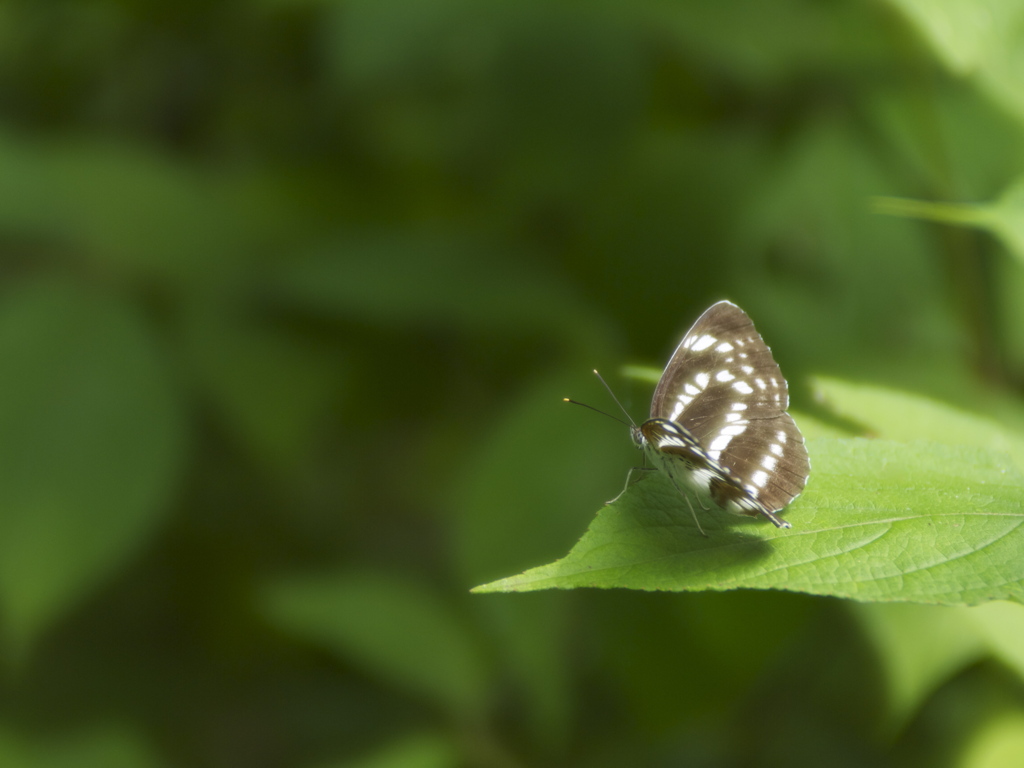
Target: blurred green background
290	293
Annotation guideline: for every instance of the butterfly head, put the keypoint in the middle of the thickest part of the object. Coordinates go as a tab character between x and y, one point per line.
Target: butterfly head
638	436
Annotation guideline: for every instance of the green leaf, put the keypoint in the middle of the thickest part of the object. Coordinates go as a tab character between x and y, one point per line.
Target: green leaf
903	416
510	498
90	442
879	521
920	647
130	211
533	640
510	507
436	279
961	32
421	750
272	387
923	646
1003	218
768	45
975	38
718	647
810	226
998	743
106	746
394	627
1002	626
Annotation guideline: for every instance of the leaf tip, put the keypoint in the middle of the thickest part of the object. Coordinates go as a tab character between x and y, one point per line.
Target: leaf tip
491	586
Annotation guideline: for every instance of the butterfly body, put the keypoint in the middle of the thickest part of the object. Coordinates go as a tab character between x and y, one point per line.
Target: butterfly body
718	419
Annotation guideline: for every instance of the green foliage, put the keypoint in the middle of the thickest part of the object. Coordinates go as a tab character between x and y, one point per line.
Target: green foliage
291	293
920	647
974	39
1000	744
99	747
90	442
916	521
396	627
882	521
420	750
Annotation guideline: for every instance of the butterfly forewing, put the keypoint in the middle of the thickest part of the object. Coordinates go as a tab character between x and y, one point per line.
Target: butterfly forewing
724	387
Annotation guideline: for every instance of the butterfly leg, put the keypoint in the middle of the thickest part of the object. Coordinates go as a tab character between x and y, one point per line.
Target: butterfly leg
630	481
686	496
695	518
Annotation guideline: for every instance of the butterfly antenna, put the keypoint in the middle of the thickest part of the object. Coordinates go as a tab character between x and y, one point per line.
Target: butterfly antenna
599	378
577	402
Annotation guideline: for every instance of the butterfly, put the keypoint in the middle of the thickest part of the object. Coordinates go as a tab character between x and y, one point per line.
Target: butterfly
719	423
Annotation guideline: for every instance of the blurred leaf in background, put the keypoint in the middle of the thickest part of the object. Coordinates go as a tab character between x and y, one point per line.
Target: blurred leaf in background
92	440
291	293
